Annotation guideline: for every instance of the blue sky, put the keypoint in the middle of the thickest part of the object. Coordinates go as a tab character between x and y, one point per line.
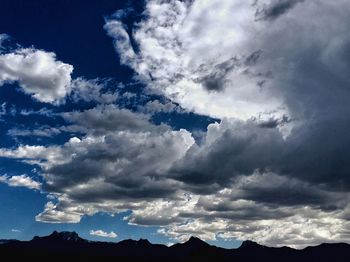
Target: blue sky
226	120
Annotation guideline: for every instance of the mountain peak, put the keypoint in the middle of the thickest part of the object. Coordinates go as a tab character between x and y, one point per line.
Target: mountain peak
134	243
144	241
195	241
61	236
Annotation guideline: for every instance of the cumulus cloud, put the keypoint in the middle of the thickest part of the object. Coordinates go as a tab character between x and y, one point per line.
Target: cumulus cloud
101	233
20	181
37	72
171	43
119	163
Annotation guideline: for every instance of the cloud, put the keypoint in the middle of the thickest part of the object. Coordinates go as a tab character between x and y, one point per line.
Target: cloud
20	181
3	110
44	131
107	118
274	9
231	148
156	106
3	38
37	72
119	163
277	81
101	233
169	57
122	42
52	215
15	230
49	80
92	90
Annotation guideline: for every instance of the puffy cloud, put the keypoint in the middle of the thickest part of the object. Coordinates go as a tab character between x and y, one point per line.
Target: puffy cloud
20	181
101	233
49	80
119	164
52	215
37	72
231	148
171	43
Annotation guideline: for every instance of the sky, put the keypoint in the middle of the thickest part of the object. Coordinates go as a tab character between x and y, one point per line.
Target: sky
227	120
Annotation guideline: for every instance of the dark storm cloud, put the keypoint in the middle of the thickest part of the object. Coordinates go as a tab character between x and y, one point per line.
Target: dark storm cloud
283	191
238	148
274	122
214	76
314	85
275	9
253	58
117	166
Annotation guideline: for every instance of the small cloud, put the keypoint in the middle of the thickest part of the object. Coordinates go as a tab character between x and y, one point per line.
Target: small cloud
15	230
20	181
101	233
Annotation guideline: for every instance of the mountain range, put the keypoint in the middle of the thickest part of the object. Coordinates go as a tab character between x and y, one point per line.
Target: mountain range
68	245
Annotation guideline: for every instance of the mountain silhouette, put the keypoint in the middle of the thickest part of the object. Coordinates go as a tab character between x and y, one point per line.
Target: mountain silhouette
68	245
60	237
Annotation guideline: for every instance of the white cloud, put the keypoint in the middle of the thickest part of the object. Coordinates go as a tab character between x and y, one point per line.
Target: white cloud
15	230
20	181
116	30
101	233
54	216
198	55
38	73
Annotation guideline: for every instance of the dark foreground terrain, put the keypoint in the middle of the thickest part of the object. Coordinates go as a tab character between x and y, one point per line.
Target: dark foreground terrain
68	245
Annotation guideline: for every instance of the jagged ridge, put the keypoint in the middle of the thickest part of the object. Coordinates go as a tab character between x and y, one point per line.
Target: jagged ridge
68	244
